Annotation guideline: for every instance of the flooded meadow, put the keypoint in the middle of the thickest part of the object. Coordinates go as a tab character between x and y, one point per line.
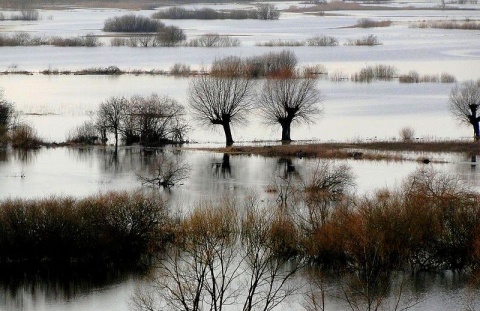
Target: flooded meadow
55	104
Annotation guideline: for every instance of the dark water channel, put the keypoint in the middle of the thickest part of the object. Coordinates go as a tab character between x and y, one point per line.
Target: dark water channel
80	172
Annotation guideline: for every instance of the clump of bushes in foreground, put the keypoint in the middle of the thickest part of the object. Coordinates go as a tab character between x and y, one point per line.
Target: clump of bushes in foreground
107	228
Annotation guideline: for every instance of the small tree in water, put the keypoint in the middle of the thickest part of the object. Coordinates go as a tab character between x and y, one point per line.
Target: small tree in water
289	100
464	104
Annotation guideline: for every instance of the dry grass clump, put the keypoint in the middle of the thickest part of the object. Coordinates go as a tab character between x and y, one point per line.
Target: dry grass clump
369	23
369	40
377	72
465	25
103	229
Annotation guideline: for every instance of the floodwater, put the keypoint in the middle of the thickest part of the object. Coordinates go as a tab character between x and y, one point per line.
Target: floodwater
55	105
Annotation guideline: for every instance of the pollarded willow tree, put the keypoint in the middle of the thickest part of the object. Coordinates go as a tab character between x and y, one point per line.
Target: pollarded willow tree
290	100
221	100
464	103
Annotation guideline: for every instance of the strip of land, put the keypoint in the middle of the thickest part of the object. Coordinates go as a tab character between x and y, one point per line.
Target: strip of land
381	150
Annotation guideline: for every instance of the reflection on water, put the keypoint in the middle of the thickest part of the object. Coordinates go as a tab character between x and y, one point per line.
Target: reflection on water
89	170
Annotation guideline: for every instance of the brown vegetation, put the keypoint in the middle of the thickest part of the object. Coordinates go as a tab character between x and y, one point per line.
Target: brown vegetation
365	150
107	228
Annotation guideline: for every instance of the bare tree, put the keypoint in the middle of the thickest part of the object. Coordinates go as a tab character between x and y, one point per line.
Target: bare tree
289	100
6	115
221	100
267	11
464	104
166	173
111	114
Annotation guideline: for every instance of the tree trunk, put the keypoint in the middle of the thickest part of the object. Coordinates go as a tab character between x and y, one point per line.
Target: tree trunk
228	133
476	130
286	130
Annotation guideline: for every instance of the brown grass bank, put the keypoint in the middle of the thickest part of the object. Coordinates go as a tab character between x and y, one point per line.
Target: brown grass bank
361	150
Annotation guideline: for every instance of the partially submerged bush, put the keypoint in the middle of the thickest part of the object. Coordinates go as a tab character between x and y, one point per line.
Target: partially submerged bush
88	40
407	134
465	25
108	228
262	12
24	137
132	23
369	40
86	133
377	72
180	70
322	41
280	42
213	40
369	23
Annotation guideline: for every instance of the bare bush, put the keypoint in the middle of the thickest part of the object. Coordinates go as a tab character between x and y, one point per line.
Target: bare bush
213	40
271	64
447	78
170	36
209	14
280	42
86	133
377	72
407	134
411	77
267	11
369	23
465	25
166	173
25	15
180	70
369	40
132	23
322	41
88	40
24	137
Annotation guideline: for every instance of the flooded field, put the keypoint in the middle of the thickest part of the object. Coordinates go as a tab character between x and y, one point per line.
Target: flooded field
352	111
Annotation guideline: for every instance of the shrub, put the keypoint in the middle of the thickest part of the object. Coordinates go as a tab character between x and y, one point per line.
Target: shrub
411	77
267	11
368	23
322	41
86	133
213	40
89	40
108	228
170	36
132	23
111	70
24	137
26	15
466	25
369	40
447	78
271	64
407	134
280	42
377	72
180	70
